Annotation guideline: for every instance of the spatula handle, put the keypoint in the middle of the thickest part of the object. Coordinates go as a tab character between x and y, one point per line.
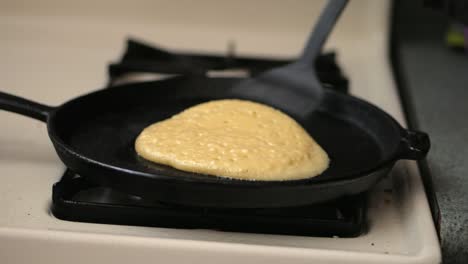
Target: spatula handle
323	27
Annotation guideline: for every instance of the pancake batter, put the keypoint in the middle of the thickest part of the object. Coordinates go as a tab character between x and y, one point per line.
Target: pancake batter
234	139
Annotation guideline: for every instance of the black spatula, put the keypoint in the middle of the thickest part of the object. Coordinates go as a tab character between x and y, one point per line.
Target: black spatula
296	83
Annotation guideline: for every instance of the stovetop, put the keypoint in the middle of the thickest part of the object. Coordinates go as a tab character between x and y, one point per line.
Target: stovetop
54	58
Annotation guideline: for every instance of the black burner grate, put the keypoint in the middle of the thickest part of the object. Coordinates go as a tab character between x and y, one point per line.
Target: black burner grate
76	199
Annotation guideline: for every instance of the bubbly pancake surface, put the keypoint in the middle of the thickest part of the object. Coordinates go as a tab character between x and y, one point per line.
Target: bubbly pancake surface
234	139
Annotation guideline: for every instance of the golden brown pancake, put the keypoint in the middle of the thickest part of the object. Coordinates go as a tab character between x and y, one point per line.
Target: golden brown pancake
234	139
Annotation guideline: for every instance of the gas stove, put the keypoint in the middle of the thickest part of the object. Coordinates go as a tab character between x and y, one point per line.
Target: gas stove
395	224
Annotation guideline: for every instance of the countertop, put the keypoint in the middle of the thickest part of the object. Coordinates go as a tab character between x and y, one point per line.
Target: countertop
435	79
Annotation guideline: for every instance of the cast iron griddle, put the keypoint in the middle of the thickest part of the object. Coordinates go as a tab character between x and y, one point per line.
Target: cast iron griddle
94	135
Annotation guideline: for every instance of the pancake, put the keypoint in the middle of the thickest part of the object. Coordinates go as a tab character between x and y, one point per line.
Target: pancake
235	139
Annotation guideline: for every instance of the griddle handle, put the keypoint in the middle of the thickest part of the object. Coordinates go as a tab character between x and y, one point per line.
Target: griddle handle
24	107
414	145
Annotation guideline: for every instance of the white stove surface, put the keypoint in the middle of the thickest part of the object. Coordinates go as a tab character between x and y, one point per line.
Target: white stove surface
52	51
